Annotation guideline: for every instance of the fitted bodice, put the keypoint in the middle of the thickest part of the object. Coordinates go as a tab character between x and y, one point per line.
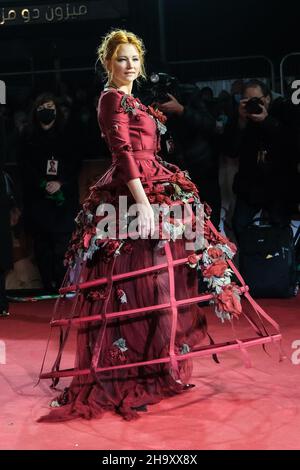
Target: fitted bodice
142	129
132	136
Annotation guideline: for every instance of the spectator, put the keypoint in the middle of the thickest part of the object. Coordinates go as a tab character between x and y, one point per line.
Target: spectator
5	242
49	163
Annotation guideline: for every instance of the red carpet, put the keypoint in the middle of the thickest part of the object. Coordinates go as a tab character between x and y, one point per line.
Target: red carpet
230	408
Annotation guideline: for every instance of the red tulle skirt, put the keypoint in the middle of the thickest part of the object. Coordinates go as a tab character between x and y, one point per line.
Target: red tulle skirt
135	305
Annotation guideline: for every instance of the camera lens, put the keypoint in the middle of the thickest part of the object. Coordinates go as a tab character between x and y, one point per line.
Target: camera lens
154	78
253	106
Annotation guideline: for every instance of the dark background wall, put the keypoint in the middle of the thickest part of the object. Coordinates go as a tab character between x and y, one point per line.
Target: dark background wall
193	29
218	28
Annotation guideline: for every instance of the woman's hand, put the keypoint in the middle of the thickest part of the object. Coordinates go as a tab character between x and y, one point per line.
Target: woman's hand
146	221
146	225
53	186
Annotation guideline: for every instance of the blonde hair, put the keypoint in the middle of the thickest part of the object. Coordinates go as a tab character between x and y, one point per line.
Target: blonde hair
110	44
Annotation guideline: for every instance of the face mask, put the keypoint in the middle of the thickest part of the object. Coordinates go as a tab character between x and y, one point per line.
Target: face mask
237	97
45	116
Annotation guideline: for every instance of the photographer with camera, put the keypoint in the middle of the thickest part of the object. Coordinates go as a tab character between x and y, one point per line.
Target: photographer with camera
259	137
193	126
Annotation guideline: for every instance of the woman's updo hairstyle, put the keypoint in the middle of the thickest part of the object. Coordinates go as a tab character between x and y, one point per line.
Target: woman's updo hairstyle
108	48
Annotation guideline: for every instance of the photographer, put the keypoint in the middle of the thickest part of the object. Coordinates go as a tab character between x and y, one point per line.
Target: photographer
194	130
259	137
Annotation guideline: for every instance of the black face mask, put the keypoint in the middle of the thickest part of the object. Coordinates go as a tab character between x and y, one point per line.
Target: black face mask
45	116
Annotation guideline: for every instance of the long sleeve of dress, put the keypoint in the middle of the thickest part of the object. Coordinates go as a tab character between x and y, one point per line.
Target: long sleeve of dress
114	122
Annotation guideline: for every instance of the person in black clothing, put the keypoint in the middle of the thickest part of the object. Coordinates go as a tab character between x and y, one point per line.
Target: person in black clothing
259	137
6	259
197	144
49	163
5	233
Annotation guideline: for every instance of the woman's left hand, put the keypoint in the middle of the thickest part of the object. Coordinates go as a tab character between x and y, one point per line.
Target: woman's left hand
53	186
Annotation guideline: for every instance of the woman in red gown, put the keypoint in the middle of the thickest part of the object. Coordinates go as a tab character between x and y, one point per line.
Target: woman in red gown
135	300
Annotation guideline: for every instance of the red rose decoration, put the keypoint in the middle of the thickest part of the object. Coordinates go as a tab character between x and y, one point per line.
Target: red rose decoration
130	101
111	247
162	198
115	356
232	246
121	296
224	241
152	198
216	269
215	238
159	188
228	300
100	294
86	240
193	260
214	253
185	184
157	114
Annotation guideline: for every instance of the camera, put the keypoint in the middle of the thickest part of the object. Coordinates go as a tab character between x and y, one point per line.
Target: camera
157	87
162	83
252	106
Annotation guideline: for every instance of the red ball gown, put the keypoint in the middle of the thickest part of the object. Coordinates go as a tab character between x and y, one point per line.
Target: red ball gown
134	303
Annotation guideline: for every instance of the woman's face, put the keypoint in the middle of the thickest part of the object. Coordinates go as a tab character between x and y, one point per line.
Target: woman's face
126	66
46	113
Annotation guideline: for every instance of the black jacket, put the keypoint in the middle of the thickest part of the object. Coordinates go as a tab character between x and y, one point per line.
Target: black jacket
263	180
197	144
36	148
6	260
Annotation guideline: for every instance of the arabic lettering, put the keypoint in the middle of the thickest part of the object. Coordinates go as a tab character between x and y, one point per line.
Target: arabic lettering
59	13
